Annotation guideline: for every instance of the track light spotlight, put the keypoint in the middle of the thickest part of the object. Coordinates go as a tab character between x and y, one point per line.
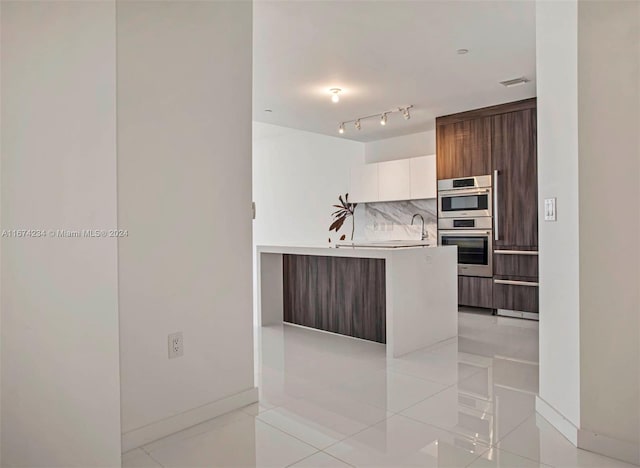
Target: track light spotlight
383	116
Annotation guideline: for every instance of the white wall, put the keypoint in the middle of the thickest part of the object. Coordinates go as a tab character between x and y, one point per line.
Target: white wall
402	147
184	183
557	81
297	177
588	80
609	167
60	395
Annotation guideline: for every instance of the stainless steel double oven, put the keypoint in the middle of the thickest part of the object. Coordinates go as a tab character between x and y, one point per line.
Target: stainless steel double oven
465	220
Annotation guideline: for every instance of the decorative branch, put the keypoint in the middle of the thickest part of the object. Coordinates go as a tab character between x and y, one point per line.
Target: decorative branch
345	210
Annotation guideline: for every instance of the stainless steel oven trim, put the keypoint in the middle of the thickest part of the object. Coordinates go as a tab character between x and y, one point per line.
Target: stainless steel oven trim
465	269
482	223
478	181
484	213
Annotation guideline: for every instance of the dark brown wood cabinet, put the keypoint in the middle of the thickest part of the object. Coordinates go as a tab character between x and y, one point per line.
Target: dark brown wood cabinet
475	291
515	179
501	141
337	294
515	295
464	148
507	263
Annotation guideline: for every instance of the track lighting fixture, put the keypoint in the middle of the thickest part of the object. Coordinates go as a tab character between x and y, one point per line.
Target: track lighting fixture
383	116
335	94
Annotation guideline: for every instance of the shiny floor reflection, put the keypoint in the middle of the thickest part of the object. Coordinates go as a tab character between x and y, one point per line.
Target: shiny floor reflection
331	401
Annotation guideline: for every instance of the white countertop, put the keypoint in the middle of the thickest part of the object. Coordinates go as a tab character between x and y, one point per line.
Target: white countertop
347	251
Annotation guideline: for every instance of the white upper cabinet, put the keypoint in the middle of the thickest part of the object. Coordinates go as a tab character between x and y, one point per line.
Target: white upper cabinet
403	179
363	185
394	180
423	177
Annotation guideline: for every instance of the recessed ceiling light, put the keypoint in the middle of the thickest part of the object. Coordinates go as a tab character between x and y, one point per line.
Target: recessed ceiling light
268	110
514	82
335	94
462	51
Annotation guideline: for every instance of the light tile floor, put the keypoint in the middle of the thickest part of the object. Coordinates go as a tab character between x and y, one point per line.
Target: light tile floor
331	401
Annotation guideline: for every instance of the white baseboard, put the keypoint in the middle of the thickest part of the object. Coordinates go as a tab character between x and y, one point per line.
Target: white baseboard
588	440
557	420
157	430
604	445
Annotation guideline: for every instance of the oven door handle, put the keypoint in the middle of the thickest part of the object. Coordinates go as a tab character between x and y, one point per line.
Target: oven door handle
466	233
463	192
496	227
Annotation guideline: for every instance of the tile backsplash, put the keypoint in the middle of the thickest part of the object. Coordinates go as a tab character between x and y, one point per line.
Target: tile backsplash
384	220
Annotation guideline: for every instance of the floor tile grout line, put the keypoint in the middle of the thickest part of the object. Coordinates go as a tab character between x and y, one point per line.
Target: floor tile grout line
490	445
155	460
524	456
316	453
434	381
303	458
290	435
425	399
238	411
448	431
339	459
404	373
356	433
495	444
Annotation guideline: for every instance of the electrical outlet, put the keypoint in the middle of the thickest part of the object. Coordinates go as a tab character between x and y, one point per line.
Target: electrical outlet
176	345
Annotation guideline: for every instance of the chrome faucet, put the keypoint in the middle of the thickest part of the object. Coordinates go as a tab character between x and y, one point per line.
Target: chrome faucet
423	236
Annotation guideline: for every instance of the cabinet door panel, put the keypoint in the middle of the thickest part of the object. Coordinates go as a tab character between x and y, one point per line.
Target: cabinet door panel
520	265
363	185
463	149
514	157
515	297
423	177
475	291
394	180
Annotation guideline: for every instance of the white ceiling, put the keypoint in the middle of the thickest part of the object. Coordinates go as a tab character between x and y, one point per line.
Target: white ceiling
386	54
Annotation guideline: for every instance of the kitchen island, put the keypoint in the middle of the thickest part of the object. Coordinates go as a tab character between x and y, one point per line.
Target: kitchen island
405	298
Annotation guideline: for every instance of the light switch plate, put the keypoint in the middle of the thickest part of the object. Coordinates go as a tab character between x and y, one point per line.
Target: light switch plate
550	209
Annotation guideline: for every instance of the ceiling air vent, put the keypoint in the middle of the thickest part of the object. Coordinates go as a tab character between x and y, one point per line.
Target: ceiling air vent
514	82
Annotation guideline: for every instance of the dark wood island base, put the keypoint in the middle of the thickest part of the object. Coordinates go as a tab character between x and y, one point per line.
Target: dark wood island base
342	295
